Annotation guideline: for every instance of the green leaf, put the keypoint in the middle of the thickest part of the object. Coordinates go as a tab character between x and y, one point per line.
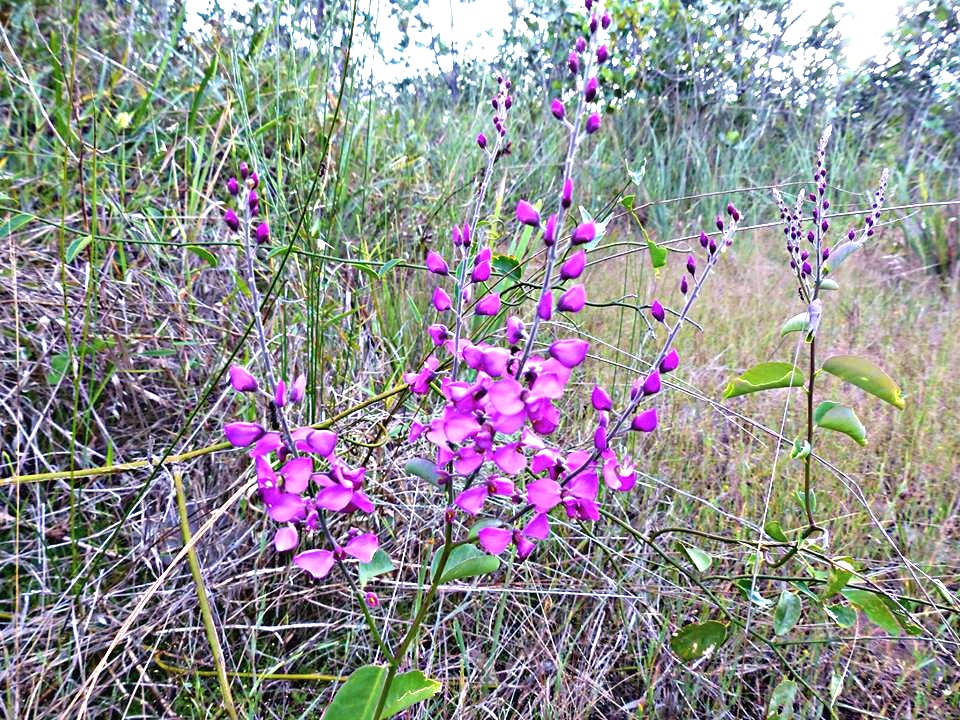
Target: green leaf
840	573
834	416
781	701
751	594
842	251
507	266
357	698
14	224
694	641
874	608
464	561
798	323
866	376
204	254
658	255
59	365
423	469
765	376
828	284
787	612
774	530
801	449
842	615
701	560
76	247
379	564
802	499
627	201
388	266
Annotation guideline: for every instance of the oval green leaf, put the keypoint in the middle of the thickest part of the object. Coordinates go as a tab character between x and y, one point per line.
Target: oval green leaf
781	701
423	469
697	639
842	615
798	323
701	560
874	608
765	376
775	530
828	284
465	561
866	376
379	564
357	698
787	612
834	416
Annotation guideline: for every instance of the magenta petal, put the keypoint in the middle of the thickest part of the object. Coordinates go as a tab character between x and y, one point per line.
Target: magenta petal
458	428
524	546
569	352
284	507
361	502
362	547
574	265
600	399
651	385
544	494
441	301
489	305
509	459
501	486
296	474
527	214
299	388
286	538
316	562
670	362
266	445
538	527
494	540
436	264
320	442
573	299
335	497
505	396
471	501
242	434
645	421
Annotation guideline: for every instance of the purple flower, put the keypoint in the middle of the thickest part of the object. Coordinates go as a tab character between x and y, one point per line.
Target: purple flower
806	269
645	421
573	267
556	107
527	214
545	306
280	394
573	299
319	562
419	382
584	233
253	200
318	442
489	305
438	333
600	399
514	330
569	352
651	385
286	538
242	380
573	62
691	265
481	272
603	54
550	231
243	434
482	141
826	253
566	198
581	43
231	219
593	123
299	388
244	170
233	187
683	285
719	223
590	89
605	20
704	240
471	501
441	301
593	24
670	362
296	474
263	233
657	311
436	264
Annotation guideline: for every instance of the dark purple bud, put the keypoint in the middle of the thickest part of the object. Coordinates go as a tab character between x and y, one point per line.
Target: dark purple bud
813	198
466	234
826	204
233	187
495	102
851	234
588	4
507	84
670	362
263	233
826	253
806	269
573	62
253	180
603	54
593	123
804	255
231	219
605	20
657	311
712	246
456	236
482	141
683	285
691	265
590	89
253	200
584	233
593	24
566	198
527	214
580	44
825	225
550	231
730	209
736	215
574	265
556	107
704	240
719	222
244	170
810	236
508	103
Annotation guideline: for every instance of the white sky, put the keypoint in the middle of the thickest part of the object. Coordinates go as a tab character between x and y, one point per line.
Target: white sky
480	24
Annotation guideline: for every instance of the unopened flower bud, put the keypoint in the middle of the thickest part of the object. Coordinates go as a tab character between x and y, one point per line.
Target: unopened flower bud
590	89
242	380
527	214
566	198
683	285
670	362
691	265
244	170
456	236
233	187
436	264
545	306
466	234
593	123
581	43
573	299
550	231
657	311
280	394
441	301
482	141
603	54
645	421
573	266
651	385
263	233
704	240
584	233
573	62
231	219
605	20
600	399
593	24
720	223
556	107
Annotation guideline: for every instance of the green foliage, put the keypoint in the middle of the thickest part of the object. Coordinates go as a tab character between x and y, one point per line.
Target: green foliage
465	561
694	641
765	376
834	416
379	564
787	612
357	698
867	376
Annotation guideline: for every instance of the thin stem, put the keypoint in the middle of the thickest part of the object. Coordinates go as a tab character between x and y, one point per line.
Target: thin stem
808	460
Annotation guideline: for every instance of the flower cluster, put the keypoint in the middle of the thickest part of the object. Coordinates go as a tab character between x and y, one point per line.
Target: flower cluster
245	191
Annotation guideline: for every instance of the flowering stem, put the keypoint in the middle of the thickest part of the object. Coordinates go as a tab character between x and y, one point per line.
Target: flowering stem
808	460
